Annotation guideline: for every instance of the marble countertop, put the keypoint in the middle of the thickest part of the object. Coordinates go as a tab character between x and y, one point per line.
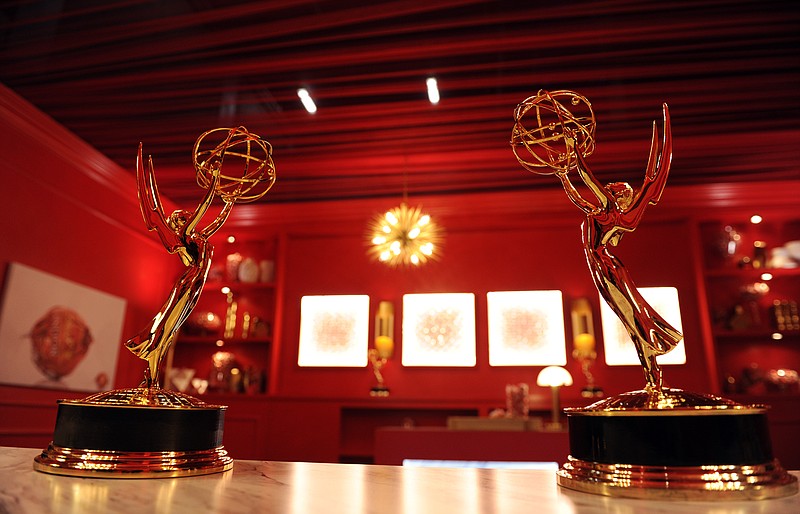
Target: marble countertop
298	487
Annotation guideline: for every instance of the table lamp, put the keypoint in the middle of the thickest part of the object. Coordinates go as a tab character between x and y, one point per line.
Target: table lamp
554	377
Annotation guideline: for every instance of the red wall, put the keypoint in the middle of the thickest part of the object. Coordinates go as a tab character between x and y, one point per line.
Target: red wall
533	257
71	212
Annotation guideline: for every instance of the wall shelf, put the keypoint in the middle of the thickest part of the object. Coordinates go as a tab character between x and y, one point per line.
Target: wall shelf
756	335
238	286
751	273
741	301
243	319
212	340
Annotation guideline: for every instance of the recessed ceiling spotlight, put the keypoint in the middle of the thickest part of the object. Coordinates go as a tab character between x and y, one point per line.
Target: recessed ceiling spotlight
308	102
755	219
433	90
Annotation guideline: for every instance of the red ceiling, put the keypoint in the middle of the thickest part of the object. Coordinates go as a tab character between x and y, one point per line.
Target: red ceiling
120	72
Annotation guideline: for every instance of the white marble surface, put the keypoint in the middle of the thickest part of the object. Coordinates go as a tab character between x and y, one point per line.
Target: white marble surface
296	487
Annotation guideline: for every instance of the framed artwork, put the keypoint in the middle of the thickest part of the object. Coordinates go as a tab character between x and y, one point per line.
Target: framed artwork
526	328
619	349
334	331
58	334
439	329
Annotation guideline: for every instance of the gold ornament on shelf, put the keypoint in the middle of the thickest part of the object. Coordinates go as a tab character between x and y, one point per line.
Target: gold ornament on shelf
404	235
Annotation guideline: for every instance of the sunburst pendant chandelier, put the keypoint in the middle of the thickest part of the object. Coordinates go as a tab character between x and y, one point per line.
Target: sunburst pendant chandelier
404	235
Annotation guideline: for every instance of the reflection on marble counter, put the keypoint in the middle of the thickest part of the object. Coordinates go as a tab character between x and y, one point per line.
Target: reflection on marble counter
298	487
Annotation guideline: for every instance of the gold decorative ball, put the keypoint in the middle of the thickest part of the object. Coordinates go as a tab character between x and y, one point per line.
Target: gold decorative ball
244	161
549	128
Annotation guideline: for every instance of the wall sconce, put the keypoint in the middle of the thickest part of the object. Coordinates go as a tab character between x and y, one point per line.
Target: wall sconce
384	346
554	377
583	343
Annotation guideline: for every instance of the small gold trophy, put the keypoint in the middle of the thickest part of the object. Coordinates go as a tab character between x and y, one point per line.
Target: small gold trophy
656	442
147	431
384	346
583	343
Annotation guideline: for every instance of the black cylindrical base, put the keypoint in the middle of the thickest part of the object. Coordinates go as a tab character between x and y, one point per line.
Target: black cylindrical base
138	428
136	433
673	445
671	438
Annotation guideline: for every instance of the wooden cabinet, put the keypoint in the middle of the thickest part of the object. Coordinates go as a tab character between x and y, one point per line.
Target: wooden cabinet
393	445
753	289
227	344
335	429
360	422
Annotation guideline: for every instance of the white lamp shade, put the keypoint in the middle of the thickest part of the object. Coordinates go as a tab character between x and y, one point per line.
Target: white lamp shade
554	376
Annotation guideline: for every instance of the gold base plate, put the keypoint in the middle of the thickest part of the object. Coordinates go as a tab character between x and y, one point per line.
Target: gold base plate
710	483
110	464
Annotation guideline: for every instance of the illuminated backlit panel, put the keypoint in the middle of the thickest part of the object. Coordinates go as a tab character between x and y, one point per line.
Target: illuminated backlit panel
618	346
334	331
526	328
439	329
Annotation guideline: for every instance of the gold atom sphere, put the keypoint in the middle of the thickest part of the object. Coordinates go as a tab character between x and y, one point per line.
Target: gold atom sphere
404	235
541	123
238	148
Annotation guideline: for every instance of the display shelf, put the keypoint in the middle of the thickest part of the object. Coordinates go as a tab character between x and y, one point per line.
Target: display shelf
757	335
216	285
227	342
754	301
236	400
751	273
214	340
752	283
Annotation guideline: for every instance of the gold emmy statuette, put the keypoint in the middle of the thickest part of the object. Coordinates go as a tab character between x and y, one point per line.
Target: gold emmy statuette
146	431
656	442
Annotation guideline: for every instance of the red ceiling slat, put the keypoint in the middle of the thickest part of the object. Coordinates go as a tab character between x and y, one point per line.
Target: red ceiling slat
121	72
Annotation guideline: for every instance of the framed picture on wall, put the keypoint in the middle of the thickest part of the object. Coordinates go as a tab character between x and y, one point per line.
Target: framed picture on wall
439	329
58	334
334	331
526	328
617	344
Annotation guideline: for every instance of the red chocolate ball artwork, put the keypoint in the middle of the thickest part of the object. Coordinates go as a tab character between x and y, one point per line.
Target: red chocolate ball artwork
60	340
